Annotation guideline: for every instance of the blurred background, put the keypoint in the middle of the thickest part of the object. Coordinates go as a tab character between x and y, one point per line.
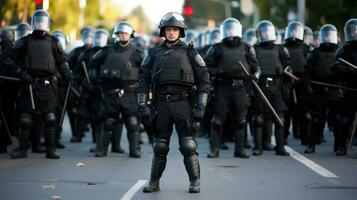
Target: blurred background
72	15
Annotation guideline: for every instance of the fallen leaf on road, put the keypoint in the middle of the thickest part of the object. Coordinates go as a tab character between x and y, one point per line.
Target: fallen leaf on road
80	164
56	197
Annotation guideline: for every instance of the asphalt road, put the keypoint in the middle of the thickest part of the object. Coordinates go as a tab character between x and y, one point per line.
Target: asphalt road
318	176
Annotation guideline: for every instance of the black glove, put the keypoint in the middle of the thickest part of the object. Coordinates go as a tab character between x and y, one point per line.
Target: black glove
144	112
252	77
25	77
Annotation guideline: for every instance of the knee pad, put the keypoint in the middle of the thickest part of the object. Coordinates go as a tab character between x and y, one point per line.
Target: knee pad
108	124
25	120
216	122
49	119
132	124
188	146
258	120
161	147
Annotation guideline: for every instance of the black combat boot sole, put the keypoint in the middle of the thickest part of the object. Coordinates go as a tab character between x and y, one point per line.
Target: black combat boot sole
151	189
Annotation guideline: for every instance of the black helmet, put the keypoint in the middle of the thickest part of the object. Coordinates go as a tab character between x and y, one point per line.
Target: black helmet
123	27
100	38
231	27
308	35
351	30
172	19
61	37
250	36
328	34
266	31
6	35
22	30
295	30
214	36
40	20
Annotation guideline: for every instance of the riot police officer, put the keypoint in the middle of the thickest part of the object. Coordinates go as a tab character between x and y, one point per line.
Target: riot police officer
250	36
346	75
296	101
230	84
322	99
22	30
272	59
76	108
119	73
8	99
171	70
44	56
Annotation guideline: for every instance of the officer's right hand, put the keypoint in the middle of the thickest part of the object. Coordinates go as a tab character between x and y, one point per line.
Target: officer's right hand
144	111
25	77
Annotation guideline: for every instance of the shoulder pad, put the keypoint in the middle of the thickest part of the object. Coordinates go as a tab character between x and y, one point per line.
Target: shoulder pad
18	44
199	60
146	59
286	52
252	51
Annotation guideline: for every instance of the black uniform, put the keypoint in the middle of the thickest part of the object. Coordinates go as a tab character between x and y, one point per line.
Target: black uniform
296	97
272	60
76	108
171	70
347	104
230	89
43	55
321	99
119	74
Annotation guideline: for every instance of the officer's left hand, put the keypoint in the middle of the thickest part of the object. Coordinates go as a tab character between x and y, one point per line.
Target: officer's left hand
198	111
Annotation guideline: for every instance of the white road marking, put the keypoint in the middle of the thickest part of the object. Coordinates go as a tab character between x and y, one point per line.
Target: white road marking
131	192
307	162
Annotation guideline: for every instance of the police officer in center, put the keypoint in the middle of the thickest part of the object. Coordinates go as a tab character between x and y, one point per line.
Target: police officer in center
171	70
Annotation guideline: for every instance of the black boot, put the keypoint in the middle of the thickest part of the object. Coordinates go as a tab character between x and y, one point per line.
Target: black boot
341	151
21	151
157	168
239	144
134	147
38	148
267	132
50	140
193	170
310	149
257	150
279	137
97	129
214	142
116	138
102	149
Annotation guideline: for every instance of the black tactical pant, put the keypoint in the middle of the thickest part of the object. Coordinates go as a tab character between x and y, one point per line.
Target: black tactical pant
170	113
45	99
261	114
229	99
321	104
116	104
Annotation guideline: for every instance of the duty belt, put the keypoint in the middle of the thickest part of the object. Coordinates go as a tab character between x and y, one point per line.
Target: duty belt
172	97
118	92
268	81
42	81
231	82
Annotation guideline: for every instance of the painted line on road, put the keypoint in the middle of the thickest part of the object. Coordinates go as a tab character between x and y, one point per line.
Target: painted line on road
307	162
131	192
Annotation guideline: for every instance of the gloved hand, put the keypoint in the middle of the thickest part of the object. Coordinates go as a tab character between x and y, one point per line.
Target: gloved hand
25	77
252	77
144	112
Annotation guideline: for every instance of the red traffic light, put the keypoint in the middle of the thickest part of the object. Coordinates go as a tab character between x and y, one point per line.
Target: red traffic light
187	10
38	1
